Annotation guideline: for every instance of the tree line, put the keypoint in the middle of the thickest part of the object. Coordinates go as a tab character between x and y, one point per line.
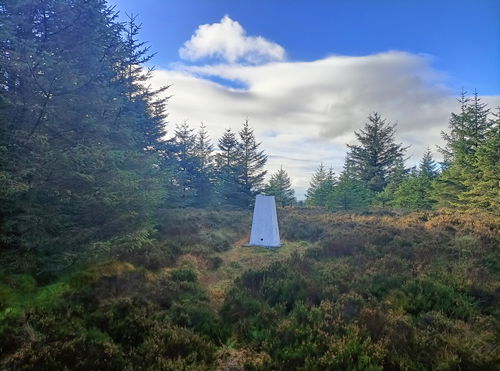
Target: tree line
375	175
226	177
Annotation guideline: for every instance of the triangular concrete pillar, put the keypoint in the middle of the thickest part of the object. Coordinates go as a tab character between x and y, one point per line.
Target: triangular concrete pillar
265	231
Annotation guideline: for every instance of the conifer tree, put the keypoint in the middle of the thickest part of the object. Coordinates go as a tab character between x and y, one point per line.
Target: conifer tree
205	178
427	166
469	131
76	162
349	193
133	78
229	150
253	161
313	192
457	124
377	154
185	168
414	193
398	174
483	182
228	188
321	186
280	187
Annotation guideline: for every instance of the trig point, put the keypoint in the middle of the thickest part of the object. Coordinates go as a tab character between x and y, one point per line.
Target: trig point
265	231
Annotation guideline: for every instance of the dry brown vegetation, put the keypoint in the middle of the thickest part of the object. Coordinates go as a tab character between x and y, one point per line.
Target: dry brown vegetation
345	291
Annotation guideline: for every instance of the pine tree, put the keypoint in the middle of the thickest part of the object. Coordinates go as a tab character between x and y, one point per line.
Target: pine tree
229	151
349	193
469	131
398	174
77	164
427	166
280	187
414	193
326	188
228	187
253	161
186	166
206	171
313	193
483	182
377	154
457	124
321	186
133	78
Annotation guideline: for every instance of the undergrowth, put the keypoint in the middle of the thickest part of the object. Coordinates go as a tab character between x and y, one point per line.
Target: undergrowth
384	291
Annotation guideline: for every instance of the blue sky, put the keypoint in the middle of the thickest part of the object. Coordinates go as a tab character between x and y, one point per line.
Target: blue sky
308	73
463	36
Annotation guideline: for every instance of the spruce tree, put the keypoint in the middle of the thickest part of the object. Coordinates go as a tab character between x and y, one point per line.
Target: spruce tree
133	79
253	161
186	165
280	187
313	193
455	138
428	166
468	131
228	187
377	154
321	186
398	174
414	193
483	182
229	150
349	193
77	166
206	171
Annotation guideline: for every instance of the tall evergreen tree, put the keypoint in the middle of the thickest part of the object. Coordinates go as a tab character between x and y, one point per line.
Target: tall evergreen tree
253	161
228	188
468	131
428	166
349	193
186	166
229	150
414	193
457	124
206	171
77	168
398	175
483	180
314	194
377	154
133	78
280	187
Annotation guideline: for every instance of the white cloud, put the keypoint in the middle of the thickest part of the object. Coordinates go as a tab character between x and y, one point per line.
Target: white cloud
228	40
305	112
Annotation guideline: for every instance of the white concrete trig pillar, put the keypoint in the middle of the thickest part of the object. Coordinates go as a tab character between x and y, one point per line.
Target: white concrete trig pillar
265	231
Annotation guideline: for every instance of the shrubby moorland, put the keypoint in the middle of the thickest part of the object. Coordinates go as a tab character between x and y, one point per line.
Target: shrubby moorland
122	236
375	291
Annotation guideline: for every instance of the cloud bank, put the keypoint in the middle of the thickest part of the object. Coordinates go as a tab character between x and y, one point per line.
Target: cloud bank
305	112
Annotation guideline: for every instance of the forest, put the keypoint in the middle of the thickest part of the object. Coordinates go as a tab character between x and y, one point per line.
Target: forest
122	234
